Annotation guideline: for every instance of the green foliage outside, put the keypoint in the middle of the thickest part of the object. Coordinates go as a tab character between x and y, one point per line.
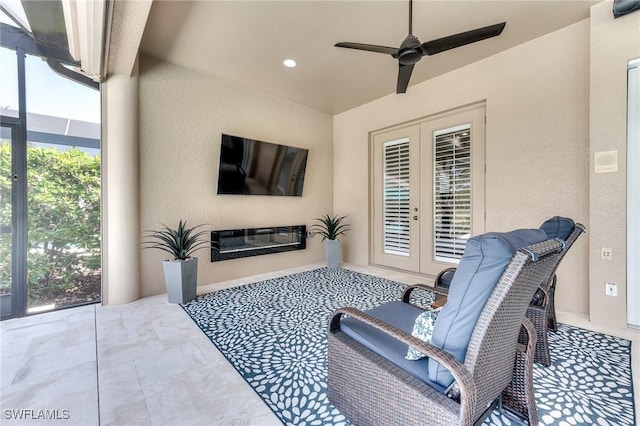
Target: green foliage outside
5	216
63	225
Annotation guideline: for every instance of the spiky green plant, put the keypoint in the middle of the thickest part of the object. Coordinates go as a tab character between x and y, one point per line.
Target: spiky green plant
180	242
330	227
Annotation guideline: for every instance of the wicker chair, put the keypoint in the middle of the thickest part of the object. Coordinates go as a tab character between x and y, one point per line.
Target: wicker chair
370	390
541	311
550	288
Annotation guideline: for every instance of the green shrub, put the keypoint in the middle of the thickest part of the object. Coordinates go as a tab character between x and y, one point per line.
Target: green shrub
63	216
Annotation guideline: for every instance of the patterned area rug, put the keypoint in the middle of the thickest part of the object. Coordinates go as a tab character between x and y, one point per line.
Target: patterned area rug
274	334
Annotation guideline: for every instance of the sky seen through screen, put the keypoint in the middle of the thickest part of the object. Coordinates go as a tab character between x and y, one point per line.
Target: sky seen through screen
47	92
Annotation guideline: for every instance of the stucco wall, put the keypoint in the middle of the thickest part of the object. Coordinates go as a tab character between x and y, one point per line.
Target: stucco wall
614	42
182	115
537	143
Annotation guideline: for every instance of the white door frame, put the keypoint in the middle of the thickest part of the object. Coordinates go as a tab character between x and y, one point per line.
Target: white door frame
633	194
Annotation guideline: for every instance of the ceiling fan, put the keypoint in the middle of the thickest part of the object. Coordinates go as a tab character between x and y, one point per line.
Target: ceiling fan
411	51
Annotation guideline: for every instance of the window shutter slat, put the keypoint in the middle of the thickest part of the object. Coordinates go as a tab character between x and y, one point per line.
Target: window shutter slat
452	192
396	212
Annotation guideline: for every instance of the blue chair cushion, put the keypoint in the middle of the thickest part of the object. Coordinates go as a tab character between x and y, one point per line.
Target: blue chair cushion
483	262
558	227
401	315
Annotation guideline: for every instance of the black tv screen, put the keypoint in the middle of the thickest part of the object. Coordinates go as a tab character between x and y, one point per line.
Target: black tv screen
253	167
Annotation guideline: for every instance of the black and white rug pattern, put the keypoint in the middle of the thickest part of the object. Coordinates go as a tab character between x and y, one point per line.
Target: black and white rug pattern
274	333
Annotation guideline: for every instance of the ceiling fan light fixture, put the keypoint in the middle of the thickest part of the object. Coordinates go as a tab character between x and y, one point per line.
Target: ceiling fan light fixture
290	63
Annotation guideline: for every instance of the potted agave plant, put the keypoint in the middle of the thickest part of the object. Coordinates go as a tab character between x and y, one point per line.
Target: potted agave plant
331	227
180	272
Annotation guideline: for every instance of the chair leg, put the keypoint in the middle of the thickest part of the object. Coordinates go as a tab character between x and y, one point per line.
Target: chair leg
518	398
497	403
552	324
538	316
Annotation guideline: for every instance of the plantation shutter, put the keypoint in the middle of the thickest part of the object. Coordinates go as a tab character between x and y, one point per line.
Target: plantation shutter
451	192
396	238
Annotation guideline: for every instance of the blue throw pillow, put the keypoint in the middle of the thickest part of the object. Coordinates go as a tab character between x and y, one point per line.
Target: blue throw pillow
485	259
558	227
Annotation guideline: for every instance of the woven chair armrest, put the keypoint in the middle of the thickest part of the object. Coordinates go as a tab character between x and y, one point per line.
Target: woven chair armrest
460	373
441	273
535	251
579	229
406	294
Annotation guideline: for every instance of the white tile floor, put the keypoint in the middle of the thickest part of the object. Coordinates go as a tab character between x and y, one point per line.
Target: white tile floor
143	363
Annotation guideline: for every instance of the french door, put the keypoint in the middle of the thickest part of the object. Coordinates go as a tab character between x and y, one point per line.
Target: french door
428	190
13	296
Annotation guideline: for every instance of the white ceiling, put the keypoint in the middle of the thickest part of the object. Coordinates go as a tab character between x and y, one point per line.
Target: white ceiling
246	41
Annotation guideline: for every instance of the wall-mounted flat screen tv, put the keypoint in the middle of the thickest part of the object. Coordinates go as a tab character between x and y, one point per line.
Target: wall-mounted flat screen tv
253	167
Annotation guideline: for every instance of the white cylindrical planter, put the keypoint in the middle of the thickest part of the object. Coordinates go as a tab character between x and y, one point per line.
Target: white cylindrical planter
181	277
332	253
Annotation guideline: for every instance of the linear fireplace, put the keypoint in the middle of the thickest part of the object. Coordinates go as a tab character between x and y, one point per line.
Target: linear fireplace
238	243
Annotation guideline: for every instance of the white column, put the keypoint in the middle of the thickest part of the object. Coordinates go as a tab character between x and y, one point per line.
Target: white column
120	193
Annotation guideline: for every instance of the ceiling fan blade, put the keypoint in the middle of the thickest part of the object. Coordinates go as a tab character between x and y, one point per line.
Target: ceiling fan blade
368	47
404	75
451	42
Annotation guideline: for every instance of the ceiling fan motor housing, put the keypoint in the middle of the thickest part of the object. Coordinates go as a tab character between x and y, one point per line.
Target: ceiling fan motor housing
410	52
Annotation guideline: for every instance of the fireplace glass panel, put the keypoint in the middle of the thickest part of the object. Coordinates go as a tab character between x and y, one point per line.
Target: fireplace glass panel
238	243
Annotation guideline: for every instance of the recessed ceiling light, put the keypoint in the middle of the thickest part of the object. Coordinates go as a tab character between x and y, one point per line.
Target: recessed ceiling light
289	63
